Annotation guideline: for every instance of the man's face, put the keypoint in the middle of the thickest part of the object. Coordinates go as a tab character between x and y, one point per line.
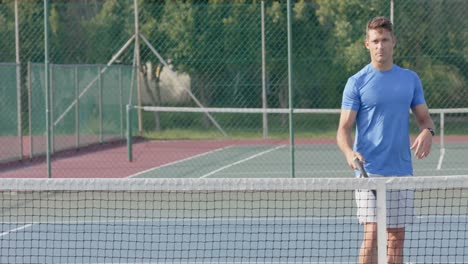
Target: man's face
380	44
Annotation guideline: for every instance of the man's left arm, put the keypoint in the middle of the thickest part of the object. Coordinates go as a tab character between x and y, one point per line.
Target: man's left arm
423	142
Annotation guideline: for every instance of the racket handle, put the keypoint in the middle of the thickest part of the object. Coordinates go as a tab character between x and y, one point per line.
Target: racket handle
360	167
363	172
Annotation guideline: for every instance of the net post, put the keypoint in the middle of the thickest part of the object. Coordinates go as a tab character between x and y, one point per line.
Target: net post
129	133
381	222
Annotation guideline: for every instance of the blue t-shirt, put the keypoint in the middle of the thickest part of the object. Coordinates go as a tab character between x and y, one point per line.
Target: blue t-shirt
383	100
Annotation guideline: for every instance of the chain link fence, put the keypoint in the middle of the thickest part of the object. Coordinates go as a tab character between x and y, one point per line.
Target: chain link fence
213	54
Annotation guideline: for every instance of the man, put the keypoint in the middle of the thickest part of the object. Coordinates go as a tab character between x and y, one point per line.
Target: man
378	99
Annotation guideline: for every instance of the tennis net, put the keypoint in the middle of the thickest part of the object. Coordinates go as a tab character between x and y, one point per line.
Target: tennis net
220	220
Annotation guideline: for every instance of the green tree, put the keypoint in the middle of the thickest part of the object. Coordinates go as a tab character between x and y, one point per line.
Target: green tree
432	42
346	21
213	45
107	31
7	33
314	73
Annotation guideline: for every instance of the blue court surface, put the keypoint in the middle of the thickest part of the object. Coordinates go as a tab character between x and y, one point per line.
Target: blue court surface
222	240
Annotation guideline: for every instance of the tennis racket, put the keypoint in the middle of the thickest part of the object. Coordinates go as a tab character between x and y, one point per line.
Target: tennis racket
363	173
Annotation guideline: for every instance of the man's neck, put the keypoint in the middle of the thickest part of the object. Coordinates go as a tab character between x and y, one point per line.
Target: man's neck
382	66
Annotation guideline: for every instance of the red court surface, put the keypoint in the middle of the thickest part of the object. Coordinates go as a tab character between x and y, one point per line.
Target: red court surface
110	160
106	161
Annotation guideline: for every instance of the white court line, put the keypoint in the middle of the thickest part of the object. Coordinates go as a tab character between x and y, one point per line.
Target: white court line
192	219
223	219
320	219
179	161
329	173
243	160
340	173
15	230
446	169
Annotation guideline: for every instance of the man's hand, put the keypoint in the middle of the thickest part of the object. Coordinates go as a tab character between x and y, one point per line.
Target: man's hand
350	159
422	144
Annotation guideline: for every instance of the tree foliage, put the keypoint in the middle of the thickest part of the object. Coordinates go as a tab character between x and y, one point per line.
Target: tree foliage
218	43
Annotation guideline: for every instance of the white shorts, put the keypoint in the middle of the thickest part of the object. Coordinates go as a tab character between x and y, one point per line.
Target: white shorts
400	207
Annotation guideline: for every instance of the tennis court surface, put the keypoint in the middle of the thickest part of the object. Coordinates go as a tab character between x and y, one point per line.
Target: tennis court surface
224	158
272	159
220	201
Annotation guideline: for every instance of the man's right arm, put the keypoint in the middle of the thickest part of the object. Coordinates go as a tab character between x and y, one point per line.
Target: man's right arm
343	136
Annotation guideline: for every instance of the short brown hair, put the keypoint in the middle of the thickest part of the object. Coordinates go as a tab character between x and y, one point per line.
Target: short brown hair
379	23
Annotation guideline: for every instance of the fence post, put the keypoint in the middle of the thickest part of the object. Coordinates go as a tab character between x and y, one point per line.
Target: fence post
46	84
100	106
129	133
121	104
18	84
28	85
264	97
77	107
290	84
